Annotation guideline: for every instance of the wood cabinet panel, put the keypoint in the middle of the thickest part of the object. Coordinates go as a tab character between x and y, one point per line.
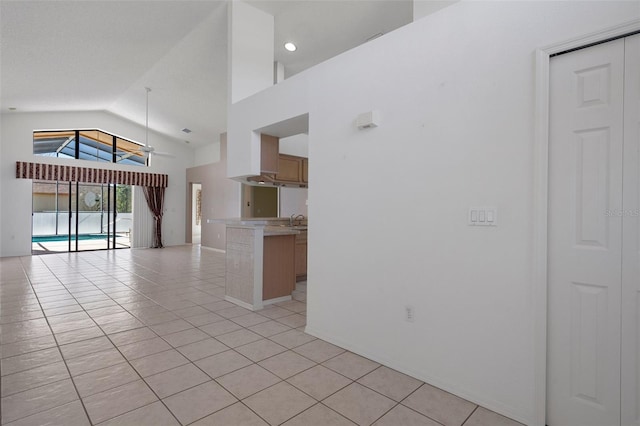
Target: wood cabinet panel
305	170
278	269
289	168
269	153
301	256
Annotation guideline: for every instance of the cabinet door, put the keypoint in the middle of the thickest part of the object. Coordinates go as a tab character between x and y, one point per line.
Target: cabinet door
269	147
289	169
305	170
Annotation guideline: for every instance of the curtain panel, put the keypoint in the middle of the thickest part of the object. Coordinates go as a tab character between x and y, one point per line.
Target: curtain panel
155	201
44	171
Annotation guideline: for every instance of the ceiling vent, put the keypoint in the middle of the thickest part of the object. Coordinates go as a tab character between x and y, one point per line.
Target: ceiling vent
186	130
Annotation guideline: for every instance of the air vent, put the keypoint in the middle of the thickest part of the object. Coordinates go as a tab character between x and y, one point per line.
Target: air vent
186	130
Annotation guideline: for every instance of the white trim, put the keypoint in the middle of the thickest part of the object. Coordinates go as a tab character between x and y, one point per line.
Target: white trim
239	303
540	202
276	300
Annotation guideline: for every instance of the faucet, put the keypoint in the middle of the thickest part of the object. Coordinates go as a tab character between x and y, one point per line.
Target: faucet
293	218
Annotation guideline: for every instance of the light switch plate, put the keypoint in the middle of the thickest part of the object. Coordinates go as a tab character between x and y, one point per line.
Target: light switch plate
483	216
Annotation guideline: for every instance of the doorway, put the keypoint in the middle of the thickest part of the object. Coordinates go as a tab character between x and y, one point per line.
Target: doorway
73	216
593	236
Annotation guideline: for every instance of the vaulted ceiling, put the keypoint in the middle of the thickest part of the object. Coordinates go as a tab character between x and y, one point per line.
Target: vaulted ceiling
101	54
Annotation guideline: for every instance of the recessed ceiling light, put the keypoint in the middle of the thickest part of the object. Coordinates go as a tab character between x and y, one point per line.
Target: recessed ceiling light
12	108
187	142
290	46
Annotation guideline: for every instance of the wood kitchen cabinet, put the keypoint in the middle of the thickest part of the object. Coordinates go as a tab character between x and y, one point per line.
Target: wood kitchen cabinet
289	168
269	153
301	256
305	170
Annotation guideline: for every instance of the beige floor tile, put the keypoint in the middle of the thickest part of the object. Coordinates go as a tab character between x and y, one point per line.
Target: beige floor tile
95	361
85	347
185	337
71	317
202	349
238	338
260	349
247	381
157	363
484	417
144	348
29	360
236	414
105	379
359	404
217	306
318	350
70	414
115	327
114	402
204	319
113	318
106	308
190	312
25	346
401	415
132	336
233	312
171	327
390	383
176	380
222	363
249	319
36	400
79	335
319	382
221	327
72	325
279	403
320	415
293	321
439	405
292	338
287	364
154	414
198	402
293	305
351	365
269	328
274	312
29	379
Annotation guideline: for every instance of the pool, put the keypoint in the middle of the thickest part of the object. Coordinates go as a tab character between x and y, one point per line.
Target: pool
56	238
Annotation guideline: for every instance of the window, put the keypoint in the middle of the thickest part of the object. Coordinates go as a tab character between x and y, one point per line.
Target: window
92	145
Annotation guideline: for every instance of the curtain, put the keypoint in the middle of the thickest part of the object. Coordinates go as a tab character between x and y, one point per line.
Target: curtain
155	200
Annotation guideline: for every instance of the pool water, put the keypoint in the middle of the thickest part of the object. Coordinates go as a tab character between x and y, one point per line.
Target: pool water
56	238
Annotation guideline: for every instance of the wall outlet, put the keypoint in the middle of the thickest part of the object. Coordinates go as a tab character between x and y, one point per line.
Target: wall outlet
409	313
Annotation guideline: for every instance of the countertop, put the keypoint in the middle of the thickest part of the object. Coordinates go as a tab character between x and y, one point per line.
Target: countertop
272	225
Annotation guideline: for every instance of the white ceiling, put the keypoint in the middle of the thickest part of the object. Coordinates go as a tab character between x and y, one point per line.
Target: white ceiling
101	54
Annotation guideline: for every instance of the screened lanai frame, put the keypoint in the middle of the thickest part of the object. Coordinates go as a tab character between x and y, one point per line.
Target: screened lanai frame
88	144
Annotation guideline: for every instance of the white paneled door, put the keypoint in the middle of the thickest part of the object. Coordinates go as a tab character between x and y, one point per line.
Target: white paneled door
594	192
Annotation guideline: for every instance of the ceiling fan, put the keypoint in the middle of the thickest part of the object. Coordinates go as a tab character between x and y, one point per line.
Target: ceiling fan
146	150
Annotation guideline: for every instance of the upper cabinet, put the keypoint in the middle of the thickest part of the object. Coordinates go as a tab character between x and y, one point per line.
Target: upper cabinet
280	169
289	168
269	150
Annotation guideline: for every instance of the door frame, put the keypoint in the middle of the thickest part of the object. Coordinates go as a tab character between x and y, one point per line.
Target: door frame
540	199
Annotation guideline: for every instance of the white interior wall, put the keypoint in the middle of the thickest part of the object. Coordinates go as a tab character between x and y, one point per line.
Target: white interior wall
207	154
250	50
456	95
16	144
297	145
293	201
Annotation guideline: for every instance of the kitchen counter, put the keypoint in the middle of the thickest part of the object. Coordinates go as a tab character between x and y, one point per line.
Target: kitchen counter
260	264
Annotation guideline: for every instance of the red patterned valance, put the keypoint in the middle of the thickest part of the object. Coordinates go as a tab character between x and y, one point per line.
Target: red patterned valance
43	171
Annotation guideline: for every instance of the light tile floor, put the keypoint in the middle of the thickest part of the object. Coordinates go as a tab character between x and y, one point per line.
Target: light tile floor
144	337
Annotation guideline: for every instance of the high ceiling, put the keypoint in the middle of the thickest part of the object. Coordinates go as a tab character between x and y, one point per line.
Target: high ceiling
100	55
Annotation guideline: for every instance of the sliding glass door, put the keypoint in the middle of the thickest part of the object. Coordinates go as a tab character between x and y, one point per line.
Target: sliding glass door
72	216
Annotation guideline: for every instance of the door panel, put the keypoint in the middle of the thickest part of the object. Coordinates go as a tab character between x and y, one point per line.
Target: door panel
585	233
631	236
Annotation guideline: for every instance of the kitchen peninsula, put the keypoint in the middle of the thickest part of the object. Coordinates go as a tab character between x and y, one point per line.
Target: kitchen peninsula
261	260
